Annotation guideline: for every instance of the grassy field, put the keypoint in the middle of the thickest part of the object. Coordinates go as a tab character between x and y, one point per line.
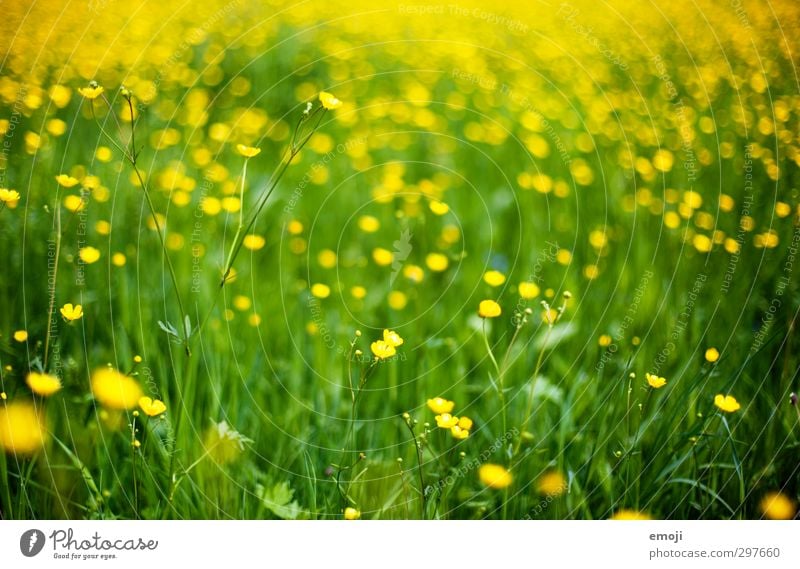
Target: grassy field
394	261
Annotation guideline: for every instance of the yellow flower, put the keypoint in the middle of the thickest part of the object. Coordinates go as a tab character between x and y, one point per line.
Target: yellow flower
626	514
368	223
494	476
446	421
549	316
494	278
253	242
604	341
382	349
382	257
726	403
551	483
528	290
489	309
152	407
22	429
89	255
21	335
465	423
437	262
43	384
92	91
329	101
655	381
320	290
9	196
439	208
71	313
778	506
712	355
247	151
440	405
459	433
392	338
351	514
66	180
114	389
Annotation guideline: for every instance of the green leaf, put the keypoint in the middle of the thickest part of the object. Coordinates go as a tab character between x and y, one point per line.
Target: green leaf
278	500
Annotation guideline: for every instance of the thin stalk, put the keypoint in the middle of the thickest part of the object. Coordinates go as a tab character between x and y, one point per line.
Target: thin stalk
52	302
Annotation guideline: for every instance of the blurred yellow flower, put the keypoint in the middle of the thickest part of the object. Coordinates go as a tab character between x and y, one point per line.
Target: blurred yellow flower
494	278
437	262
92	91
43	384
22	429
114	389
66	180
70	312
152	407
368	224
351	514
382	257
777	506
654	381
320	290
494	476
392	338
247	151
382	350
528	290
440	405
446	421
459	433
551	483
89	255
8	196
604	341
253	242
465	423
712	355
21	335
439	208
329	101
489	309
627	514
726	403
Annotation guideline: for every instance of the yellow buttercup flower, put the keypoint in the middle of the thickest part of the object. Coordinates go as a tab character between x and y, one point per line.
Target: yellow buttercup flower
43	384
320	290
655	381
382	350
495	476
152	407
551	483
70	312
21	335
465	423
528	290
727	403
114	389
392	338
8	196
89	255
351	514
446	421
494	278
437	262
459	433
778	506
489	309
22	429
247	151
627	514
329	101
92	91
66	180
439	405
712	355
253	242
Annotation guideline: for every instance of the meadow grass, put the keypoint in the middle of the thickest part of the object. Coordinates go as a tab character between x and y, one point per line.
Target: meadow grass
651	212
